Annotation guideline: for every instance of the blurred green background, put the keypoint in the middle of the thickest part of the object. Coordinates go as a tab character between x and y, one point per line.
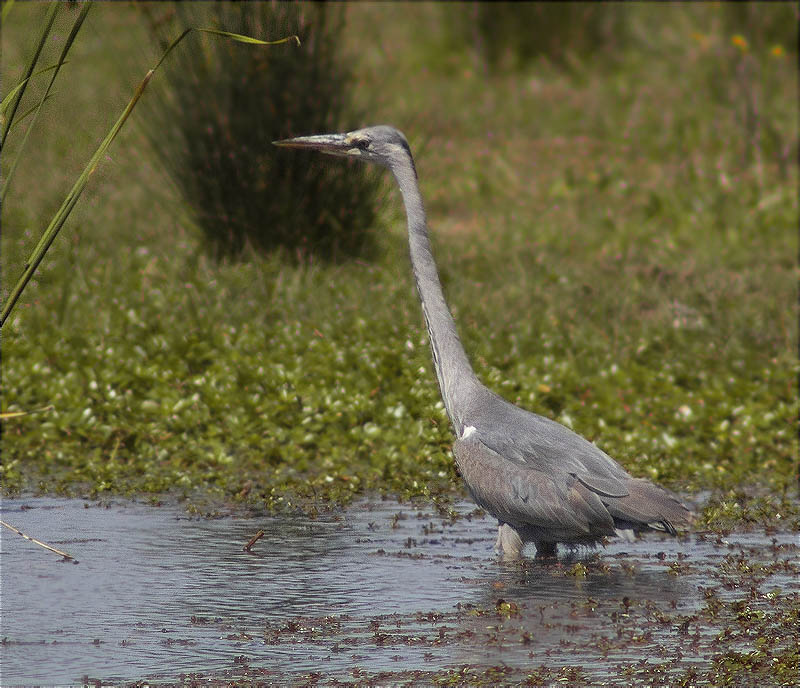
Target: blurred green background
611	192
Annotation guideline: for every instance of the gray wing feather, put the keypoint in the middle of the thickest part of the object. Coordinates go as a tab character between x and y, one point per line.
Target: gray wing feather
525	497
529	470
539	443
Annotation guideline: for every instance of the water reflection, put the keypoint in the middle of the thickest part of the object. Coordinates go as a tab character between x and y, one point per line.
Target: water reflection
381	586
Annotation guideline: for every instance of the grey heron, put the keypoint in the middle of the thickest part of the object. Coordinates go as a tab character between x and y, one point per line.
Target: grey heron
544	483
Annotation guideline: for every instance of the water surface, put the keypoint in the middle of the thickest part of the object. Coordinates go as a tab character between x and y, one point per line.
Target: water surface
380	587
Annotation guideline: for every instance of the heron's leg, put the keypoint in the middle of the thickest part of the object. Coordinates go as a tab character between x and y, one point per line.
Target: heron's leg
545	550
498	545
509	544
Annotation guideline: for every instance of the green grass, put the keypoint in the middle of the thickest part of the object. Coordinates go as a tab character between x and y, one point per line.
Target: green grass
618	247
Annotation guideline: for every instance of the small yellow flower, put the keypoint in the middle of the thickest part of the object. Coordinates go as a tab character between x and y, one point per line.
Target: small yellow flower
701	39
777	51
740	42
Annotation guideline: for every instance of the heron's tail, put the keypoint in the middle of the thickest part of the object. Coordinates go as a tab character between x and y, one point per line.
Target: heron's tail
648	507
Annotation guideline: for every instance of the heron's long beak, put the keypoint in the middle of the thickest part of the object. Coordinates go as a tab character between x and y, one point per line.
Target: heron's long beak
335	144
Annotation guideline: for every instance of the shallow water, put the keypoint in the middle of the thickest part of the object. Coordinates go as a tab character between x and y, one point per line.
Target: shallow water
380	587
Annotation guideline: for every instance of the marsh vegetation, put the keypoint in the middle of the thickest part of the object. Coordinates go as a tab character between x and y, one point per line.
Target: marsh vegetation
614	217
617	239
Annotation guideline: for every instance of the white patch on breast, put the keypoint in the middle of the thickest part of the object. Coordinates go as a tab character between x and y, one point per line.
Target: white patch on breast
467	431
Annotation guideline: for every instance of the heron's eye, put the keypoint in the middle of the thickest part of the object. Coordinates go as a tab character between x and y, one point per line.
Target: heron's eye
362	144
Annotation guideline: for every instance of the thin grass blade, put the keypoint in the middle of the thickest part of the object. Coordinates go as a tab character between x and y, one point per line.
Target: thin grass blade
5	415
29	111
72	197
69	203
7	5
48	25
10	95
249	39
76	27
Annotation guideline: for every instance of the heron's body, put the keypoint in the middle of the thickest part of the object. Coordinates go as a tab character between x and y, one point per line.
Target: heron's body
544	483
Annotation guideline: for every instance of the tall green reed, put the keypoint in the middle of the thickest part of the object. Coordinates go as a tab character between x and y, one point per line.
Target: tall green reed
62	214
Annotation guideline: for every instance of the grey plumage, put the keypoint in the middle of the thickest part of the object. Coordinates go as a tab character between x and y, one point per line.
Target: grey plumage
544	483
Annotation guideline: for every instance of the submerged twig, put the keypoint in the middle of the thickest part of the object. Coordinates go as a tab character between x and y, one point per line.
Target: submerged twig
253	540
39	542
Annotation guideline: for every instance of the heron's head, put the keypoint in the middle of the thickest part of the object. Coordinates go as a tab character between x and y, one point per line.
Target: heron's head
381	144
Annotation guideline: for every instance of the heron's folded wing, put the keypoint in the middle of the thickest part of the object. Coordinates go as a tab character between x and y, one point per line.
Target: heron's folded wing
542	444
521	495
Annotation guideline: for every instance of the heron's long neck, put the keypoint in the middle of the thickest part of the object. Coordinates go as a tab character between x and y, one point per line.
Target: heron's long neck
453	370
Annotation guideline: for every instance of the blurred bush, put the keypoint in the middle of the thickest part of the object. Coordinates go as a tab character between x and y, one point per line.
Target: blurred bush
223	104
510	34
